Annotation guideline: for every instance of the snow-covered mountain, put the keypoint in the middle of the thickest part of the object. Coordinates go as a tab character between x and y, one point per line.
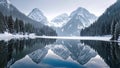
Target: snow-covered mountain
38	15
60	18
79	19
59	21
5	3
64	24
84	16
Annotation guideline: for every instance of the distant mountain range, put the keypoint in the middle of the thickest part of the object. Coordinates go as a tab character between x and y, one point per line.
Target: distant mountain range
65	24
79	19
59	21
72	25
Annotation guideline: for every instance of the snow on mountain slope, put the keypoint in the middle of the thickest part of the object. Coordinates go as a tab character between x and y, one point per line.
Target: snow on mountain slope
5	3
84	15
37	15
59	21
79	19
60	18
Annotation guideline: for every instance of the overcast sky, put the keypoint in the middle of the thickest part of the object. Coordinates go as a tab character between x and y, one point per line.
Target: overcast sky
52	8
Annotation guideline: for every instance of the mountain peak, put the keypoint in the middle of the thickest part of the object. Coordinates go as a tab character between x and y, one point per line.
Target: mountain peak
81	8
80	11
36	10
61	17
60	20
64	14
37	15
5	1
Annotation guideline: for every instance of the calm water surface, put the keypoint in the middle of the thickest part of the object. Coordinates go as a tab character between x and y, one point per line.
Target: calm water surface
46	53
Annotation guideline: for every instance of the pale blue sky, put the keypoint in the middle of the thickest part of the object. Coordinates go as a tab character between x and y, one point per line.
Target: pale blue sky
52	8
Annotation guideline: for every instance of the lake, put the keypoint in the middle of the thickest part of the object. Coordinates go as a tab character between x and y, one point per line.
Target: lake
51	53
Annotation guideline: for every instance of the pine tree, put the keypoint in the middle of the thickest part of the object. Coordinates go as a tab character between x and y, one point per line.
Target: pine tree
21	25
10	24
5	23
1	23
16	26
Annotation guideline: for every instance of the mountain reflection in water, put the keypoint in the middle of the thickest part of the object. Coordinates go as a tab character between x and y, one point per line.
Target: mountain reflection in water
47	53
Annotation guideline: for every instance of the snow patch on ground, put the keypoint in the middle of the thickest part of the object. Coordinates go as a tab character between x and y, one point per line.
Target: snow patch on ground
7	36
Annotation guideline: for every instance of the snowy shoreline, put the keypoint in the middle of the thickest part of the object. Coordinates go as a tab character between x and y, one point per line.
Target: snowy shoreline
7	36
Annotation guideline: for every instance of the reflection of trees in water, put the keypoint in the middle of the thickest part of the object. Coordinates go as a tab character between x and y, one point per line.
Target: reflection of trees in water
109	51
14	50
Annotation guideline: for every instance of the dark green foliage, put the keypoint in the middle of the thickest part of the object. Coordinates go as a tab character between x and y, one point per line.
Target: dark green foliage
16	26
47	31
10	24
28	28
21	25
113	27
116	31
2	29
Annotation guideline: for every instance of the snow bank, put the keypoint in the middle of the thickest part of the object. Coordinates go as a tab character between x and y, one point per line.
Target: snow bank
7	36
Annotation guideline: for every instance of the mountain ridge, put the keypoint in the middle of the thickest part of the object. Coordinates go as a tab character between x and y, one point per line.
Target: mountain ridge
78	19
38	16
59	21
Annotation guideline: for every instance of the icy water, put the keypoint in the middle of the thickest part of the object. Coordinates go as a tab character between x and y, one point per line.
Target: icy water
50	53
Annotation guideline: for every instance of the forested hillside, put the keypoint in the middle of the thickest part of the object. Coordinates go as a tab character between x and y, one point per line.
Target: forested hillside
106	24
7	24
